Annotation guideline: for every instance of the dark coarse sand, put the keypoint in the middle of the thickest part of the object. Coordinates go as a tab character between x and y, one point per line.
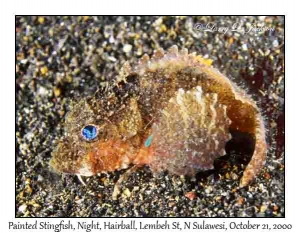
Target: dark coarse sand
60	59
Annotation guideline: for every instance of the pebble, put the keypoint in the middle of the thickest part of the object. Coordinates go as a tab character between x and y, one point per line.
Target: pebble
263	208
22	208
245	47
191	195
240	201
171	204
40	178
208	189
44	70
57	91
127	48
41	20
275	43
42	91
127	192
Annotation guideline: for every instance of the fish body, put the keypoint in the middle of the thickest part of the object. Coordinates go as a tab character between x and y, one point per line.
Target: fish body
172	111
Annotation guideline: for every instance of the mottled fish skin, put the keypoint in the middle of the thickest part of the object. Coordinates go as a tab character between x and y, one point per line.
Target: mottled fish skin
172	111
191	133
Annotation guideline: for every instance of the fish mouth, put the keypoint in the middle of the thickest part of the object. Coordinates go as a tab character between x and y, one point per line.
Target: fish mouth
74	168
57	166
69	160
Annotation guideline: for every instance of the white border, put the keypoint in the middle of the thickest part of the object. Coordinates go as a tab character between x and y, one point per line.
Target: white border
7	45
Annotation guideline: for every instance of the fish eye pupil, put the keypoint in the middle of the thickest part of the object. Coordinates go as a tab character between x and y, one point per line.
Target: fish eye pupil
89	132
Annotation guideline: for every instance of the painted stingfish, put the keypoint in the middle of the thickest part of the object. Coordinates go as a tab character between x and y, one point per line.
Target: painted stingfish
173	112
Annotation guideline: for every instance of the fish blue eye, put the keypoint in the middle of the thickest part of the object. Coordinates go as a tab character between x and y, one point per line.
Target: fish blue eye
148	141
89	132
